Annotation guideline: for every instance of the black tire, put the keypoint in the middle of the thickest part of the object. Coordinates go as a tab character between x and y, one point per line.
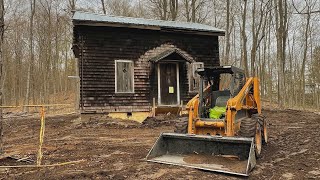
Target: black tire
258	118
261	120
181	126
248	127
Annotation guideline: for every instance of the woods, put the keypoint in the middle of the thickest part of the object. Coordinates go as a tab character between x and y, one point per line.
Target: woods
37	52
276	40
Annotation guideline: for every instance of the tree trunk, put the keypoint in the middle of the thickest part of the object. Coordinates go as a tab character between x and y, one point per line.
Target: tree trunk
303	66
187	7
174	9
244	39
72	4
227	51
164	9
1	60
281	35
258	31
103	7
193	10
27	98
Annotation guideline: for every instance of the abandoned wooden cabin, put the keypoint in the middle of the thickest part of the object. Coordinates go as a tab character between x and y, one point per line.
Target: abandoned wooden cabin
125	64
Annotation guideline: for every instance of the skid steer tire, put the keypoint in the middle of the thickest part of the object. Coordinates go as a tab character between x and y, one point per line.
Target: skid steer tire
181	126
251	127
248	127
263	124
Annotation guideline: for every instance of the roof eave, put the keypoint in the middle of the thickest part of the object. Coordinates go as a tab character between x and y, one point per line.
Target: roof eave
136	26
167	53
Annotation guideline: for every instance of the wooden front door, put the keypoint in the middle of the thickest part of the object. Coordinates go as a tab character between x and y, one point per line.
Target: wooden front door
169	85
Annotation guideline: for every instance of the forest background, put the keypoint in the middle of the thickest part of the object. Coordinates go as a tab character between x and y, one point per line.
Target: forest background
276	40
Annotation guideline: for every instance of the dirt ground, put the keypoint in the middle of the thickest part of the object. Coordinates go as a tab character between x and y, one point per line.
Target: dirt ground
116	150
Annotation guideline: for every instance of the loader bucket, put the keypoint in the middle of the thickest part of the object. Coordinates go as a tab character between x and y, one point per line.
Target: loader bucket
232	155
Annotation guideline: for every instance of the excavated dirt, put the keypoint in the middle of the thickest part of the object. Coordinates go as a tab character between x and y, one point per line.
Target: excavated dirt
161	120
116	150
221	163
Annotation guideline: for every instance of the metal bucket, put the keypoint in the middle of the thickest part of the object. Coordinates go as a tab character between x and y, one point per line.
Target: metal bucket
232	155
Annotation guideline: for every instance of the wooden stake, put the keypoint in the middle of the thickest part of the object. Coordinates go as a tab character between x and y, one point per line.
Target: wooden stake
181	108
41	136
153	107
41	166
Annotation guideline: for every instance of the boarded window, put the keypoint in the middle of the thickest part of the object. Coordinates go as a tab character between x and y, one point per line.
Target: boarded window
194	78
124	76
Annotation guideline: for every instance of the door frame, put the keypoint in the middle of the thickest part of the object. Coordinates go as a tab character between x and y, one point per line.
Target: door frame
178	84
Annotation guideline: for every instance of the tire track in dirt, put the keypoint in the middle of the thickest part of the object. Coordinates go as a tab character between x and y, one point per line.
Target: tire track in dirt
115	150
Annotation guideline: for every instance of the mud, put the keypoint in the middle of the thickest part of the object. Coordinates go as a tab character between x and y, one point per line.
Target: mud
221	163
161	120
117	151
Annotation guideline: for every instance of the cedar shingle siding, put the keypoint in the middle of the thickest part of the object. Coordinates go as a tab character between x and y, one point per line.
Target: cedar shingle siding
99	47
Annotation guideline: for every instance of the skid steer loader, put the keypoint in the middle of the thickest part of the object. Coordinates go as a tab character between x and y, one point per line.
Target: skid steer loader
225	128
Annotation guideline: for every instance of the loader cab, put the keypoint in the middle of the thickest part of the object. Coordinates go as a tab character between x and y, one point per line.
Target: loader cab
217	85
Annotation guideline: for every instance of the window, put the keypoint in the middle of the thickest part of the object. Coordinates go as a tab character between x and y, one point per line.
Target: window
124	76
238	83
232	82
194	78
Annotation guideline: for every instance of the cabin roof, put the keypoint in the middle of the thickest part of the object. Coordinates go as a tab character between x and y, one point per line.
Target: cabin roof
169	52
92	19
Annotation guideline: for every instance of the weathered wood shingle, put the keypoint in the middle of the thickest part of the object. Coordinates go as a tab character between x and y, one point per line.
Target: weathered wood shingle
99	47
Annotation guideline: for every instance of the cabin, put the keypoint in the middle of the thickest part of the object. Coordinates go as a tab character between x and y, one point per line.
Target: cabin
130	65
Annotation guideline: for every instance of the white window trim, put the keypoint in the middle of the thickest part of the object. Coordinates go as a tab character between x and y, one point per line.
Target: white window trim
191	74
115	76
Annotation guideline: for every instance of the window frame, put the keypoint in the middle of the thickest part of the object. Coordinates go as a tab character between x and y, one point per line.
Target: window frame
192	73
115	75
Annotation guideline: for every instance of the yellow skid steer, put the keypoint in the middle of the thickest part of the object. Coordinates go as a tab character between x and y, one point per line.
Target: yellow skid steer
225	128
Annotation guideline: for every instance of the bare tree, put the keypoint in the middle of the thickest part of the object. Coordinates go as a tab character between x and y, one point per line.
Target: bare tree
307	11
119	8
228	32
304	59
196	10
315	75
160	8
103	7
72	4
32	8
45	55
174	7
244	38
187	9
193	10
281	12
34	61
257	30
1	59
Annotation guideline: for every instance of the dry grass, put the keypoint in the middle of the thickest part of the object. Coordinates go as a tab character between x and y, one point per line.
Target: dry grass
66	98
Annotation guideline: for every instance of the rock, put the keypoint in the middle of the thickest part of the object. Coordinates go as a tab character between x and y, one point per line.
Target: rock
288	175
315	172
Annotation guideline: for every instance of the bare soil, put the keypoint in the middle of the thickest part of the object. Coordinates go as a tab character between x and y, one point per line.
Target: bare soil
223	163
116	149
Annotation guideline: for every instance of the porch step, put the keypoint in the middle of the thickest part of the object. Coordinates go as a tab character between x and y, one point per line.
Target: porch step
175	110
